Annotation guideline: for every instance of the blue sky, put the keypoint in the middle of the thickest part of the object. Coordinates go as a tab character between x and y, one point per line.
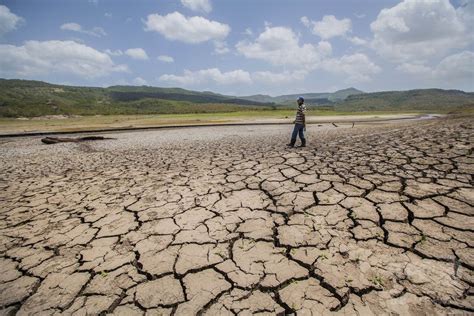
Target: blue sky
241	47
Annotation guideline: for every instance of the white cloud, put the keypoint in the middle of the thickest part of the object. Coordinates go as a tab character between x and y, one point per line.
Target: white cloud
270	78
74	27
306	22
198	5
453	69
65	57
196	29
137	53
204	76
139	81
214	75
117	52
414	69
357	41
108	15
71	27
457	67
356	67
324	48
166	59
328	27
220	47
8	20
420	29
280	46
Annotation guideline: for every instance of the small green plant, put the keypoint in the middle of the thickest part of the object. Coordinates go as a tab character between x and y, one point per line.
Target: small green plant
220	254
377	280
103	274
323	256
354	216
294	281
423	238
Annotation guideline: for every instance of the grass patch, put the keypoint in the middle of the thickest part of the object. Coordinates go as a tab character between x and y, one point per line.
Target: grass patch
377	280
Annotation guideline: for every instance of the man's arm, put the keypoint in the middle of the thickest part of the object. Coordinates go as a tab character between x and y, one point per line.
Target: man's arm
304	118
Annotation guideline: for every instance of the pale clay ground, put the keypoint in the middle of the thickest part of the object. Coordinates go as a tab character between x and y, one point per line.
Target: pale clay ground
77	123
370	220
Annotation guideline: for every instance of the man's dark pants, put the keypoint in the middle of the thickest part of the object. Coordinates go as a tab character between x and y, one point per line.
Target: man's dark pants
298	130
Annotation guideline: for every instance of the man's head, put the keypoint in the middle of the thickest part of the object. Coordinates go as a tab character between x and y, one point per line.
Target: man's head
300	100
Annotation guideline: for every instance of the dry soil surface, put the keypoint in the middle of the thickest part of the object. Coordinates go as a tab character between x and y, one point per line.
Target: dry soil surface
370	220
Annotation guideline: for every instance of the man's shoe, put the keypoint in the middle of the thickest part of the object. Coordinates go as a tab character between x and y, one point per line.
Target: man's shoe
303	143
291	144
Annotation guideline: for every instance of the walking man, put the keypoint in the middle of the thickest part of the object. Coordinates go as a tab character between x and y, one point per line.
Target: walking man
300	124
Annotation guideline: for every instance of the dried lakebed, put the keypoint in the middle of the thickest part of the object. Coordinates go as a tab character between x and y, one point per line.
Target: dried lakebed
370	220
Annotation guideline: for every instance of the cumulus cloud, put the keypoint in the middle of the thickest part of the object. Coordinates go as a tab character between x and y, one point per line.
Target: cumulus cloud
65	57
357	41
166	59
198	5
414	69
139	81
268	77
8	20
280	46
71	27
420	29
214	75
75	27
356	67
196	29
137	53
328	27
204	76
456	68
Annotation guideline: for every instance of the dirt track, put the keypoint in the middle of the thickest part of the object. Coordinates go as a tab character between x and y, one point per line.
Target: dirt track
367	220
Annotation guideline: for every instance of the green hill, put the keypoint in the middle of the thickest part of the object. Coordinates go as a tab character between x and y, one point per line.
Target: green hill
412	100
35	98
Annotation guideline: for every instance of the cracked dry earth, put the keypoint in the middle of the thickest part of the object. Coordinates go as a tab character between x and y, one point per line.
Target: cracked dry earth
373	220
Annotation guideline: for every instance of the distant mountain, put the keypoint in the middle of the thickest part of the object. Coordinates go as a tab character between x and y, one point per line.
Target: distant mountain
344	93
316	98
259	98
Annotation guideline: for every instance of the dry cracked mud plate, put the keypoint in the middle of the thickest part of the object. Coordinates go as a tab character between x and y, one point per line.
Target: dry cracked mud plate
374	220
